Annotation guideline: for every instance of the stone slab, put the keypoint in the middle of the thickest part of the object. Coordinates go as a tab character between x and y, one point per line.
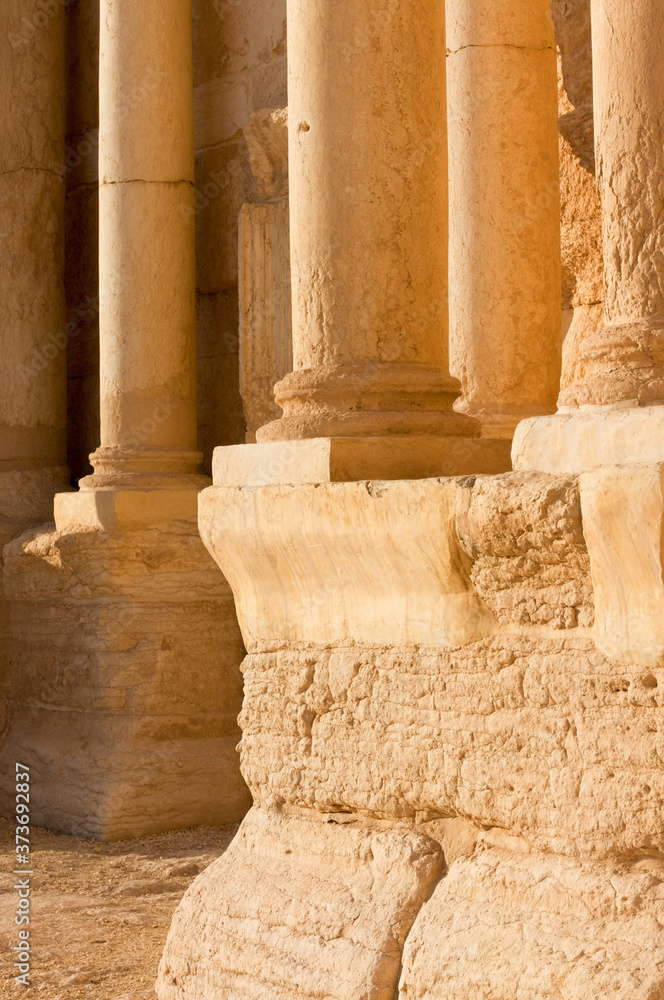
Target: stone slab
351	459
115	511
299	909
591	438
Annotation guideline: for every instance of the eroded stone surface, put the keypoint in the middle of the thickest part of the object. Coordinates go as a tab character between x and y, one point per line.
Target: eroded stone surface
546	739
524	535
536	927
300	908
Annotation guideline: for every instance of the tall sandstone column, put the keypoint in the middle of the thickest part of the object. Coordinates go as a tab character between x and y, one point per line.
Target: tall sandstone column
369	233
147	250
32	306
505	289
624	360
606	417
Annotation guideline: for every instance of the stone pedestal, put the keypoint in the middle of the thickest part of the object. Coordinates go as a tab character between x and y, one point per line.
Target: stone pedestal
505	298
122	680
448	660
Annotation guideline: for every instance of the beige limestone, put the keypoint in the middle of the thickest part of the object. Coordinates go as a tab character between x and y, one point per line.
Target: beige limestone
26	499
524	535
32	308
622	361
544	738
300	907
505	310
114	511
121	680
430	649
266	334
239	69
369	266
511	927
340	562
147	271
623	516
119	640
591	438
348	459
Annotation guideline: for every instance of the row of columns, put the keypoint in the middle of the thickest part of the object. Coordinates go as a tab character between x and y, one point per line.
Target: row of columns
369	227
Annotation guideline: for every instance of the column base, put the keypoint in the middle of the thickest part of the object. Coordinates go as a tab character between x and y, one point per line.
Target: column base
119	510
591	438
353	459
145	469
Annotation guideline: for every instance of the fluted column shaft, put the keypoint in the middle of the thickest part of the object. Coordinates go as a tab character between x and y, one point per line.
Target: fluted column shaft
368	190
32	302
147	257
505	282
624	360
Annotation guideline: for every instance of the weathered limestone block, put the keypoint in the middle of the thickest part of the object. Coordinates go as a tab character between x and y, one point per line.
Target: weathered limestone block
26	499
623	511
120	658
266	335
543	738
537	927
530	563
345	561
300	909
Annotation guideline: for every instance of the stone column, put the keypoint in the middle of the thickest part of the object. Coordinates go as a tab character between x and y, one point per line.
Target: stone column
147	253
369	232
606	417
624	360
505	283
32	305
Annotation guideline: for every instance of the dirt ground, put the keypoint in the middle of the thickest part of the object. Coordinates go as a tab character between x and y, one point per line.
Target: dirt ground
100	913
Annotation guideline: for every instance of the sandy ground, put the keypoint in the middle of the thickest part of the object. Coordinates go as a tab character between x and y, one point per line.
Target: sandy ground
100	913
